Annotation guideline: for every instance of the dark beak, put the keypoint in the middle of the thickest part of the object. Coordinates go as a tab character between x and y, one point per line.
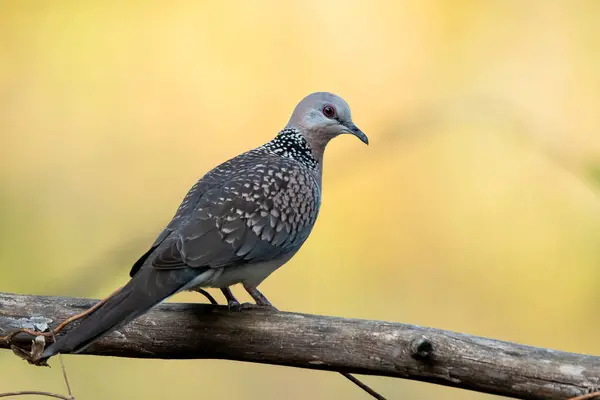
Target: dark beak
353	129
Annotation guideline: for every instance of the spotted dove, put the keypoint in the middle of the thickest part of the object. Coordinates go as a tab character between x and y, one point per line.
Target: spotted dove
239	223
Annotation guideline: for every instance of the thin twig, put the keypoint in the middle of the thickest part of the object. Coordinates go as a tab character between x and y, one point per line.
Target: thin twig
363	386
354	379
37	347
64	372
35	393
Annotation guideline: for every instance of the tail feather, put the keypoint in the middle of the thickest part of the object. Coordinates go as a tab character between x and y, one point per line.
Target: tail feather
145	290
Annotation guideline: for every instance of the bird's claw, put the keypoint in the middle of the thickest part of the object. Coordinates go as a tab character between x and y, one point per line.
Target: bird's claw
253	306
234	305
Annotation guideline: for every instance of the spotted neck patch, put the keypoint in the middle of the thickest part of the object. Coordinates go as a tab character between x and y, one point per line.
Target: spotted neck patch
290	143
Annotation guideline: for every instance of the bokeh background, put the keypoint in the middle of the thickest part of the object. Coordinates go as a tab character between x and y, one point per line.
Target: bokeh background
474	209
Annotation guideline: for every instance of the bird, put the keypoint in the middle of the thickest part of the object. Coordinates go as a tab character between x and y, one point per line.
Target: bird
239	223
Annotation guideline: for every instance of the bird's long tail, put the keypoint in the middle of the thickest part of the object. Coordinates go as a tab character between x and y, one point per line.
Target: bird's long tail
145	290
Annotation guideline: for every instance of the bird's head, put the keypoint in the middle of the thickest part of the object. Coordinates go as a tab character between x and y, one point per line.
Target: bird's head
322	116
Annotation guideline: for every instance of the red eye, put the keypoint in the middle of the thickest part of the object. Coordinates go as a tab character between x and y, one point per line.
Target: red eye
329	111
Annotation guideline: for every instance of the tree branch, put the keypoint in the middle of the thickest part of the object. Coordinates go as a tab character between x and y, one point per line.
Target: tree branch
199	331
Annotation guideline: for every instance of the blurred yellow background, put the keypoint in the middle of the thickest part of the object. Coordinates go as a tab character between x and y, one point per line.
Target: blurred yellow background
474	209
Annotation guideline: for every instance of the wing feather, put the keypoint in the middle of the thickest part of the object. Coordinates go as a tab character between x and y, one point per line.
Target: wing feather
251	215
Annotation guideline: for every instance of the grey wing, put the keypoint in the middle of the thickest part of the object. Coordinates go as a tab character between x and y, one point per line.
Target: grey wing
212	179
257	215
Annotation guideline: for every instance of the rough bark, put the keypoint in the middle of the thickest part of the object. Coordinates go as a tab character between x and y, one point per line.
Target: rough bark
198	331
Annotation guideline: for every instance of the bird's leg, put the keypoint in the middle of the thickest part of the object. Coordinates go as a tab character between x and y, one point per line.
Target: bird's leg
259	298
208	296
232	302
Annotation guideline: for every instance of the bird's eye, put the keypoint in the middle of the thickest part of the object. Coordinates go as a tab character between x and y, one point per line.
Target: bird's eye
329	111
